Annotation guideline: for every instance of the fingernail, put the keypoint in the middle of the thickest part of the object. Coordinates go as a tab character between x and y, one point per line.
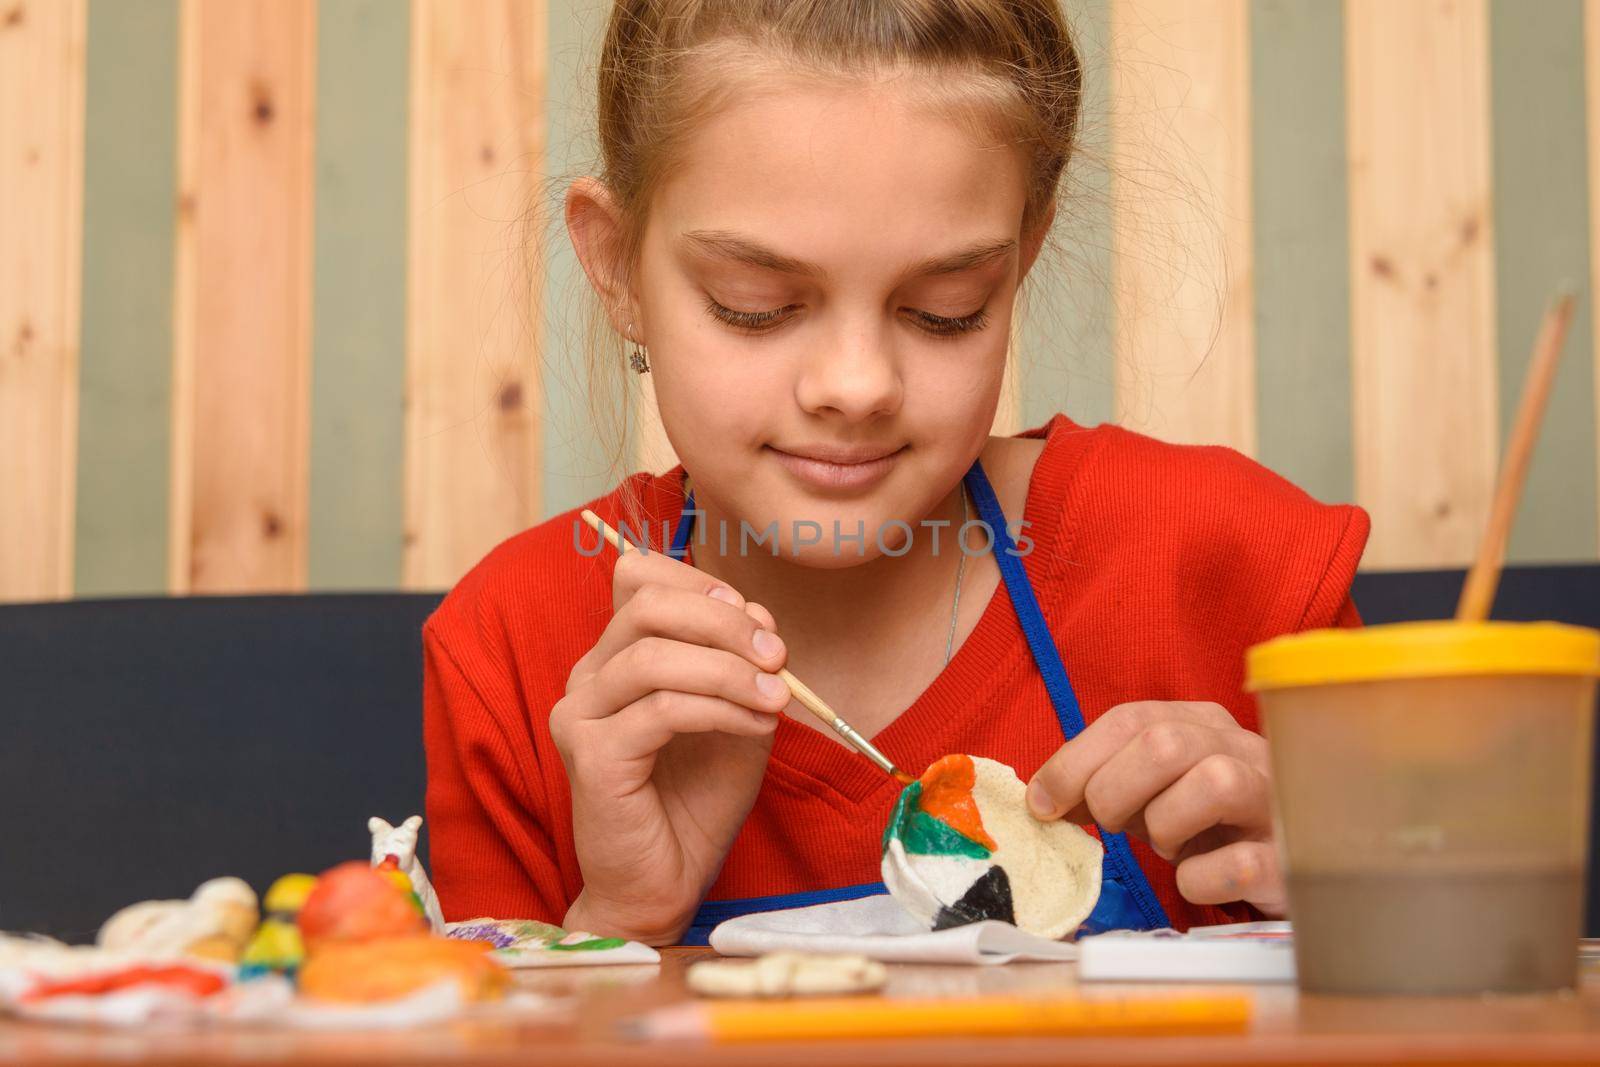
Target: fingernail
1040	801
725	594
771	685
767	645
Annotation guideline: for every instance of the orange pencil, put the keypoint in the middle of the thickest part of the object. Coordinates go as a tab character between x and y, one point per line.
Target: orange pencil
856	1017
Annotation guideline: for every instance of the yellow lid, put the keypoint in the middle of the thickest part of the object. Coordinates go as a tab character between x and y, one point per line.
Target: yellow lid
1422	650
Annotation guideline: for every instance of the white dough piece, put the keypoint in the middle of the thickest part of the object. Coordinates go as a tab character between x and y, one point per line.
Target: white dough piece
778	974
224	908
1054	866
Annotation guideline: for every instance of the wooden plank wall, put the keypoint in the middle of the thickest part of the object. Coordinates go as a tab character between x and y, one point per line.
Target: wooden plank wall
243	319
472	361
41	174
1421	276
1274	203
1182	279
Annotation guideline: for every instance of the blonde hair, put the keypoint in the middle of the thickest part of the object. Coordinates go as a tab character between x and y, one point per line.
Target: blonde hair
665	65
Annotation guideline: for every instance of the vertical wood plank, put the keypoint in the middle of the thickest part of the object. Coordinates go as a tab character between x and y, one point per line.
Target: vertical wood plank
1301	210
241	365
1422	276
1181	202
125	391
472	382
41	193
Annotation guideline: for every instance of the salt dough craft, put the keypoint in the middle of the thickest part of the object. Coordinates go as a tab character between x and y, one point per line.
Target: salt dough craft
521	943
354	901
277	945
214	923
390	967
778	974
961	847
400	844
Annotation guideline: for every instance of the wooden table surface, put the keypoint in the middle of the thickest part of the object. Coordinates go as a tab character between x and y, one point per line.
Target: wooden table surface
586	1002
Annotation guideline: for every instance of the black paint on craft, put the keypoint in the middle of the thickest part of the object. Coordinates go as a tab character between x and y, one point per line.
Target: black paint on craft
987	898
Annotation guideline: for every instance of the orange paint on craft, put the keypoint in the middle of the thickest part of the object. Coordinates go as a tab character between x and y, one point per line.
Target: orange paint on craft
947	796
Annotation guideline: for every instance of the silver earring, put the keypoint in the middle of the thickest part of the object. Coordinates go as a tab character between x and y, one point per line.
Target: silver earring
636	358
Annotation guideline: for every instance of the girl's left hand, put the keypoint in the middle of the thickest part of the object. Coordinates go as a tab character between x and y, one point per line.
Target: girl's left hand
1185	777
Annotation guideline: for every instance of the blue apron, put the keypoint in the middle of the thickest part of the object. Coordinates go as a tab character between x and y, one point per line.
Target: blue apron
1126	900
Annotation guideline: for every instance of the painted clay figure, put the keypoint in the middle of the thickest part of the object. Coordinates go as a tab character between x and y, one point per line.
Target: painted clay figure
961	847
277	945
354	901
391	967
400	842
214	923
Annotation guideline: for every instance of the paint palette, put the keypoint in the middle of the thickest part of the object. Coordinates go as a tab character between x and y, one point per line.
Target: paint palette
961	847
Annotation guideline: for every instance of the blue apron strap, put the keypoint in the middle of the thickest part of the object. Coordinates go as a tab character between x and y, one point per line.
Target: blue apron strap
1126	899
680	535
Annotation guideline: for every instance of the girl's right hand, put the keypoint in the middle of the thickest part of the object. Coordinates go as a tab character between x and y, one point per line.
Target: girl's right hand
665	729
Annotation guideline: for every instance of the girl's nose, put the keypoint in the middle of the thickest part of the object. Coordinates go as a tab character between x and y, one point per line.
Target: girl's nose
855	376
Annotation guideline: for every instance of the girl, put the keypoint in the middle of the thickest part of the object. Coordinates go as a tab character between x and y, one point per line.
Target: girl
811	227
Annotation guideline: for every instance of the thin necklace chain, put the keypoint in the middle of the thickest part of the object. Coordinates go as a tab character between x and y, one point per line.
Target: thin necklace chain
961	566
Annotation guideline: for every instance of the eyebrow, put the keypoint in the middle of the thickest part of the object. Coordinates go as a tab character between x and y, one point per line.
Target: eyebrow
732	246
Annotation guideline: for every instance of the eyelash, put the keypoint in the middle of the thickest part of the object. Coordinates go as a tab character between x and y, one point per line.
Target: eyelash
764	321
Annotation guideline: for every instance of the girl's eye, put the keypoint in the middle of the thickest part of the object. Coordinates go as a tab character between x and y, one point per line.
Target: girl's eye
762	321
943	327
753	321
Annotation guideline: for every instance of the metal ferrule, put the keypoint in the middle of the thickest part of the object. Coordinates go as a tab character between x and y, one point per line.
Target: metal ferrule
862	745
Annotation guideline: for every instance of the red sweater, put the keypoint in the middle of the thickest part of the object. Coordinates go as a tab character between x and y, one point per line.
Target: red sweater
1156	566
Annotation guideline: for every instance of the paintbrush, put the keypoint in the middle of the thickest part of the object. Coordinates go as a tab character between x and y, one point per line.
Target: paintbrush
800	691
1477	594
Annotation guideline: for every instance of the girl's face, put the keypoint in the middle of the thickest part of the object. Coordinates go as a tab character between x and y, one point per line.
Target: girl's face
825	288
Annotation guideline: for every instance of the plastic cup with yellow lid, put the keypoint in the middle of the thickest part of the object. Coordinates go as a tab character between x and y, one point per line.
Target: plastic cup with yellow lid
1431	797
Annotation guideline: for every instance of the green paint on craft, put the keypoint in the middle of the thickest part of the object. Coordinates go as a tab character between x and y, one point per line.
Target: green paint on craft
924	835
594	944
904	803
921	834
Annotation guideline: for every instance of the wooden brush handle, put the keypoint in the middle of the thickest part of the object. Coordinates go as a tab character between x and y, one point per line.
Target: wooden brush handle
1477	594
813	703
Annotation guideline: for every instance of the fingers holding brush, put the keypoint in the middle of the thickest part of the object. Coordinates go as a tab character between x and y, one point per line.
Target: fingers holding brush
712	620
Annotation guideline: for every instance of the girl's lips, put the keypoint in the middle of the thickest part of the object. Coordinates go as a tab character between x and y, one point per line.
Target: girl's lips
828	474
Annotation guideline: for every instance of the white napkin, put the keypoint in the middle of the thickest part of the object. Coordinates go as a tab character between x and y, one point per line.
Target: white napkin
879	928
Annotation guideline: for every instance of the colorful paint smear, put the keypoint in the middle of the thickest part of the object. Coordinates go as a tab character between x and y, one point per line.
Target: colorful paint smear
947	796
923	834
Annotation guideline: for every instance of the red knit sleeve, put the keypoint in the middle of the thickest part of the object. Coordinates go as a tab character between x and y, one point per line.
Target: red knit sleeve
1330	603
489	846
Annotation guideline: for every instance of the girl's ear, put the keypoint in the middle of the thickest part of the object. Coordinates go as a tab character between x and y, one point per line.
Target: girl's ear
594	225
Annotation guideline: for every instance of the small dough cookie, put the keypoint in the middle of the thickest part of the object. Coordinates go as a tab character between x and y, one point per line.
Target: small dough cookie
779	974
